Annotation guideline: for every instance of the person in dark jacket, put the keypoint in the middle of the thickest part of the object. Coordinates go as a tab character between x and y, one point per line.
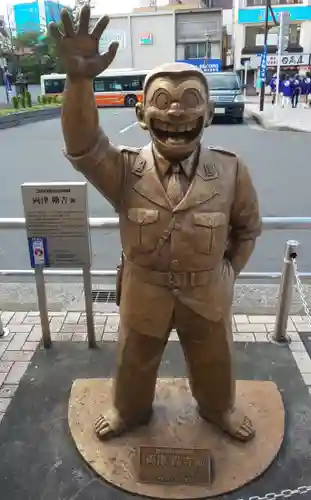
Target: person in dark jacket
296	90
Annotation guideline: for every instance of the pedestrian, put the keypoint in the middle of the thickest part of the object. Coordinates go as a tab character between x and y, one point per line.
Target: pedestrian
286	91
272	85
296	90
306	89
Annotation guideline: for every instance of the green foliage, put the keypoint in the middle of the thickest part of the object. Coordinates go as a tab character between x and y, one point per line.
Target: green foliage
39	99
44	100
28	100
15	102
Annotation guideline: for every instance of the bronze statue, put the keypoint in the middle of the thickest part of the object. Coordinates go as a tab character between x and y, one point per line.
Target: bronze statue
189	220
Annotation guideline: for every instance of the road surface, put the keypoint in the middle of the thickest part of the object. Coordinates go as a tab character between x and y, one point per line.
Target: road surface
279	163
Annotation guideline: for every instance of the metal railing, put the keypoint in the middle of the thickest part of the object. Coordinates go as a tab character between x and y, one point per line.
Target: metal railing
269	224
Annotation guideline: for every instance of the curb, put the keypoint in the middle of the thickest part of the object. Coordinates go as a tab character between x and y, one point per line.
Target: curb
25	117
268	126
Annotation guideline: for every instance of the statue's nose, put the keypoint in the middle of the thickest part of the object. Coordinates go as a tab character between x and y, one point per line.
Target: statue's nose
175	109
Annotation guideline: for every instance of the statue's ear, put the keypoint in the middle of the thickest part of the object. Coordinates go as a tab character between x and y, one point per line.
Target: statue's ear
141	115
209	113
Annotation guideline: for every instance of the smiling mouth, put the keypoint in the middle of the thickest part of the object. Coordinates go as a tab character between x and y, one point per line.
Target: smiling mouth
175	133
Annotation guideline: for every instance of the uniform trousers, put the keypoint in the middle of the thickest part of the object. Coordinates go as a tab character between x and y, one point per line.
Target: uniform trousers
207	347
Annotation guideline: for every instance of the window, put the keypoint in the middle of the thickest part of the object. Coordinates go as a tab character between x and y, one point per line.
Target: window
223	81
252	3
119	83
252	31
54	86
195	50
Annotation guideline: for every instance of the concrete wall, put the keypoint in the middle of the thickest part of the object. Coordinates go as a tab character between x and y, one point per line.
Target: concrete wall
128	30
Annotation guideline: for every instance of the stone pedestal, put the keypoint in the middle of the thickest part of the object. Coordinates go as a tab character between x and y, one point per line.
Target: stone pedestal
176	424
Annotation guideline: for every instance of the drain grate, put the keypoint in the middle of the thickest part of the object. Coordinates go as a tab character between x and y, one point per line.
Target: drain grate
104	296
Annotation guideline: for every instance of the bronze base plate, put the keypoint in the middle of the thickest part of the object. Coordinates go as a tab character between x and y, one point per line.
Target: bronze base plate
176	424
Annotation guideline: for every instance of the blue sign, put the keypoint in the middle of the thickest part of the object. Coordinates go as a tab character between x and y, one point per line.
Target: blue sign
296	13
263	65
206	65
38	252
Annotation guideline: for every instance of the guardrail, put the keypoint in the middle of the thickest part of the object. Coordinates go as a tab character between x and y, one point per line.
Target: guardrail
269	224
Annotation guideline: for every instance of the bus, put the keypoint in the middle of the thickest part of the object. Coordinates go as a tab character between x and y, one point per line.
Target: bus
119	87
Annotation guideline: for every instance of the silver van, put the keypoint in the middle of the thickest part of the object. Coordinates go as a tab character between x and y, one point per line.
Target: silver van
226	91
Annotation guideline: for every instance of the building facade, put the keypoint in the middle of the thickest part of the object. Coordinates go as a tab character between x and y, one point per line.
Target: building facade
249	18
35	16
147	39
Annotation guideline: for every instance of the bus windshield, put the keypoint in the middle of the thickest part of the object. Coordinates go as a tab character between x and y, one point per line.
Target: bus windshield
223	81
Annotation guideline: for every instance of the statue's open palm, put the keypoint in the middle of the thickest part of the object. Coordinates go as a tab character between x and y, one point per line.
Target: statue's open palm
79	49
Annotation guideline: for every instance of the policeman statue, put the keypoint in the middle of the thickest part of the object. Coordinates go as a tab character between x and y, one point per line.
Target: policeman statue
189	220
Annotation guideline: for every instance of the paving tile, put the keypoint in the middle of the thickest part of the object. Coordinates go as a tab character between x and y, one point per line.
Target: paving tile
35	335
8	391
17	356
261	319
18	317
72	317
254	327
241	318
4	403
56	324
2	378
303	361
261	337
5	366
70	328
30	346
303	327
6	317
17	371
79	337
1	416
3	346
246	337
17	343
20	328
112	324
32	320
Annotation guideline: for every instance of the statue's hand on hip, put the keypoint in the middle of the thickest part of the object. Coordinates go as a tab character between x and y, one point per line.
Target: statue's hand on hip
79	49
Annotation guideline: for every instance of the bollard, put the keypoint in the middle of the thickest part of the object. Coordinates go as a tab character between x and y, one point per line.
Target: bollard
279	336
4	332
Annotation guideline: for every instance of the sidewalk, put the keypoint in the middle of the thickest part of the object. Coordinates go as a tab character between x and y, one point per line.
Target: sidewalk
286	119
18	348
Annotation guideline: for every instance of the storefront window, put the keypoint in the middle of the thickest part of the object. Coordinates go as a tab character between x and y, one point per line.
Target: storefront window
252	31
252	3
195	50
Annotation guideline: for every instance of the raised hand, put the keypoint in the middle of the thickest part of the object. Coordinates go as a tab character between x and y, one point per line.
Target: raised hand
79	49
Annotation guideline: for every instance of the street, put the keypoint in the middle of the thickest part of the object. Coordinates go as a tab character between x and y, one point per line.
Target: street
279	163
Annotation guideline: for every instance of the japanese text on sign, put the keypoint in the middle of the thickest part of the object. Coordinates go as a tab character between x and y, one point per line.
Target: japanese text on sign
57	214
170	465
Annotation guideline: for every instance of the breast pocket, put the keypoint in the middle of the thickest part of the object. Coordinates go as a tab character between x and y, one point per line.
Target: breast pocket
144	234
210	232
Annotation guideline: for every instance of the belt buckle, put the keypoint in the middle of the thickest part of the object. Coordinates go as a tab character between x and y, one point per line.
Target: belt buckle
177	280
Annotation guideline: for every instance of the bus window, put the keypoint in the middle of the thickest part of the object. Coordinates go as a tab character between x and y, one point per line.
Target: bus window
133	83
54	86
107	85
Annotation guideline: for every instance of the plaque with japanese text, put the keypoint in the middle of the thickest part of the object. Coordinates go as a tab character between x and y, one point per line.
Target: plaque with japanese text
57	226
174	465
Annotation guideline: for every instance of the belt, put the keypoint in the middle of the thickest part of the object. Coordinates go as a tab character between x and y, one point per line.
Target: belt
171	279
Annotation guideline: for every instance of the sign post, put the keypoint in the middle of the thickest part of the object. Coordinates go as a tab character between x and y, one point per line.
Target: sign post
282	47
58	236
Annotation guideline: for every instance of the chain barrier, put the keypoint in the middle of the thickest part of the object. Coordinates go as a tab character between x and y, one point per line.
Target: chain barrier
301	291
302	490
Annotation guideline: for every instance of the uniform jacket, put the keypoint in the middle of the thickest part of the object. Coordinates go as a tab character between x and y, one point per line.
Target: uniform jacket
174	253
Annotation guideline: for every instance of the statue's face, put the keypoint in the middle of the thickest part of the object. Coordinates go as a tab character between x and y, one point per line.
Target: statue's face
175	112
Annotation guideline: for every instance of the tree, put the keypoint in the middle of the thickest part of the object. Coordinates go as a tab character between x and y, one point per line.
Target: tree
77	8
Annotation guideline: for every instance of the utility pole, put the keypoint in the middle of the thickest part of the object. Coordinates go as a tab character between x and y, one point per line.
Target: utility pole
265	51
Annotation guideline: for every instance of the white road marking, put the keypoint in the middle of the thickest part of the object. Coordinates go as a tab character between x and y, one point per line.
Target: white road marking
125	129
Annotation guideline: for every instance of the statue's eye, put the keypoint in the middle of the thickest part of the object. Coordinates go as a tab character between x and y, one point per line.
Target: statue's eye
161	99
191	99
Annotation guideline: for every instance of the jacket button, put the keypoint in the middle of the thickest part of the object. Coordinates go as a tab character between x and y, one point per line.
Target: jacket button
177	225
175	291
175	263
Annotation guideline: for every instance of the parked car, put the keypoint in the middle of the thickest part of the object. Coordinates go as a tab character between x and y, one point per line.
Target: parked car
226	91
